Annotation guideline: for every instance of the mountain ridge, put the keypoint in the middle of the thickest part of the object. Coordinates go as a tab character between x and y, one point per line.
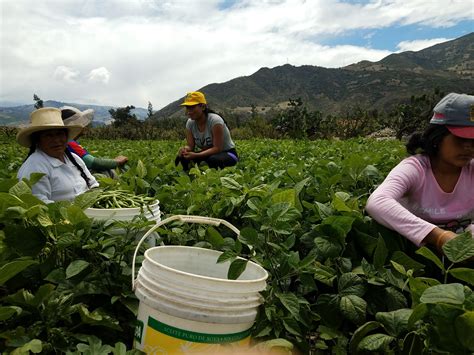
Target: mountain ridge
381	85
19	115
447	66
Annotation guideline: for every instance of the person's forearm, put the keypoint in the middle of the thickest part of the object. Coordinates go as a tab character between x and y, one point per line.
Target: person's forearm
209	151
438	237
103	164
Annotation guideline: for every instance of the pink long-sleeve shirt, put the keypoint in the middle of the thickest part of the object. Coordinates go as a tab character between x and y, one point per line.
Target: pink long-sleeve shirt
411	202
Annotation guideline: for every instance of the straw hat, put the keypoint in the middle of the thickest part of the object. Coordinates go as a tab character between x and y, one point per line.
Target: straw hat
74	116
42	120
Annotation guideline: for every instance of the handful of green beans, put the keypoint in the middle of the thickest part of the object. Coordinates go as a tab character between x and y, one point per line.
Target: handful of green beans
122	199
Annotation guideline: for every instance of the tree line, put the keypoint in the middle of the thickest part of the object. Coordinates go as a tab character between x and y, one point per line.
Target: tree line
295	122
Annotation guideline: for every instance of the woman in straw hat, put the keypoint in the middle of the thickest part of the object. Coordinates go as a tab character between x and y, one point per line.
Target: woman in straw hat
429	197
66	175
73	116
207	131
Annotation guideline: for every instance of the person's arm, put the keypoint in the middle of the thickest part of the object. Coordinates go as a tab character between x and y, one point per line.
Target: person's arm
384	206
438	237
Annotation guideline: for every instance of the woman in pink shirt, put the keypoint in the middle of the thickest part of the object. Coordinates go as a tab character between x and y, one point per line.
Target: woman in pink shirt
429	196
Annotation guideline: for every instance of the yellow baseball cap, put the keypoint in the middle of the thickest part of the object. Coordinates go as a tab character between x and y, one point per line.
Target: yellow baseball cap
194	98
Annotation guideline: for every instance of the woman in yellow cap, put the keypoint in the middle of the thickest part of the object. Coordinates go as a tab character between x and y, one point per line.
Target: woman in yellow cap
207	136
65	174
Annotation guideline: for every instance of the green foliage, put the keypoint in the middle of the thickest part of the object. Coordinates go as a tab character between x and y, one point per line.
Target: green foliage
38	101
122	117
338	281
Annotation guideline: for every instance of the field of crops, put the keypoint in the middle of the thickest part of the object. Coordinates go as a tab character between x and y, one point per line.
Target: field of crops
339	282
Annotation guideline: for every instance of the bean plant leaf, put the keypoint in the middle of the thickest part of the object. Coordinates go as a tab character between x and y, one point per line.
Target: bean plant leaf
351	284
448	293
360	333
292	326
395	322
286	196
460	248
413	344
21	188
35	346
375	342
353	308
325	274
8	311
248	236
12	268
230	183
227	255
214	237
381	253
236	268
141	169
428	254
75	268
407	262
464	274
290	302
464	325
88	198
119	349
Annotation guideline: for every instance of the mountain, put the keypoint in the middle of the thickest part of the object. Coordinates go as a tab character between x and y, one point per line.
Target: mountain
448	66
20	115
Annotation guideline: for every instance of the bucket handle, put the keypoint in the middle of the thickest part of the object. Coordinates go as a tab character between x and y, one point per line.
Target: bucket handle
183	218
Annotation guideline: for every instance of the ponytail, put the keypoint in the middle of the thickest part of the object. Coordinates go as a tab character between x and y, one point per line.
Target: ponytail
207	111
427	142
73	160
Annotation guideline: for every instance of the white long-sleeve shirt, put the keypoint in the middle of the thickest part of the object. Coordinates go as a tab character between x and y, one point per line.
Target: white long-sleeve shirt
411	202
62	181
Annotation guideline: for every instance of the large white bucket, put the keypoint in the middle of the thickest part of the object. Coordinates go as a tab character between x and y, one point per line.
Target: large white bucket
187	304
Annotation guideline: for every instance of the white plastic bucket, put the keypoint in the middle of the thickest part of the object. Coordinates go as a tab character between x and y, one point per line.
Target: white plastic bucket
187	304
152	213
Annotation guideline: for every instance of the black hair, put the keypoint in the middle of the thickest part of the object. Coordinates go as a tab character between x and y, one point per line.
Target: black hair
66	113
74	161
34	140
207	111
427	142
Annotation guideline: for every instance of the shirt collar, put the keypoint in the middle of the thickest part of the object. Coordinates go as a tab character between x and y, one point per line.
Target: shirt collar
53	161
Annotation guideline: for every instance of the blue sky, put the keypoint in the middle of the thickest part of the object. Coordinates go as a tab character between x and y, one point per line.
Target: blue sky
131	52
389	37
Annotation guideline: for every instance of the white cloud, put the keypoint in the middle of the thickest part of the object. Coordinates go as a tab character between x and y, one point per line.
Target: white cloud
99	75
418	45
159	50
67	74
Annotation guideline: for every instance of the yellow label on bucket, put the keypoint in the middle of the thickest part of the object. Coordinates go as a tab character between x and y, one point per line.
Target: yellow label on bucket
163	339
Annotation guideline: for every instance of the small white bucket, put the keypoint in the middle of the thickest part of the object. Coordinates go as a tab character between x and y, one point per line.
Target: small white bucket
152	213
187	304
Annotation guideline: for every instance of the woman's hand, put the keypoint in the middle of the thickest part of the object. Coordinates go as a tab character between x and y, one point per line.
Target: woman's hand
184	150
121	160
438	237
189	155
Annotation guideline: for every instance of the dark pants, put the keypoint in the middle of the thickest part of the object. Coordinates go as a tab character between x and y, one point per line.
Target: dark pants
216	161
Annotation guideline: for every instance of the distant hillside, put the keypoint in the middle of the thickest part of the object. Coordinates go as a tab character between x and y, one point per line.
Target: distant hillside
448	66
20	115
